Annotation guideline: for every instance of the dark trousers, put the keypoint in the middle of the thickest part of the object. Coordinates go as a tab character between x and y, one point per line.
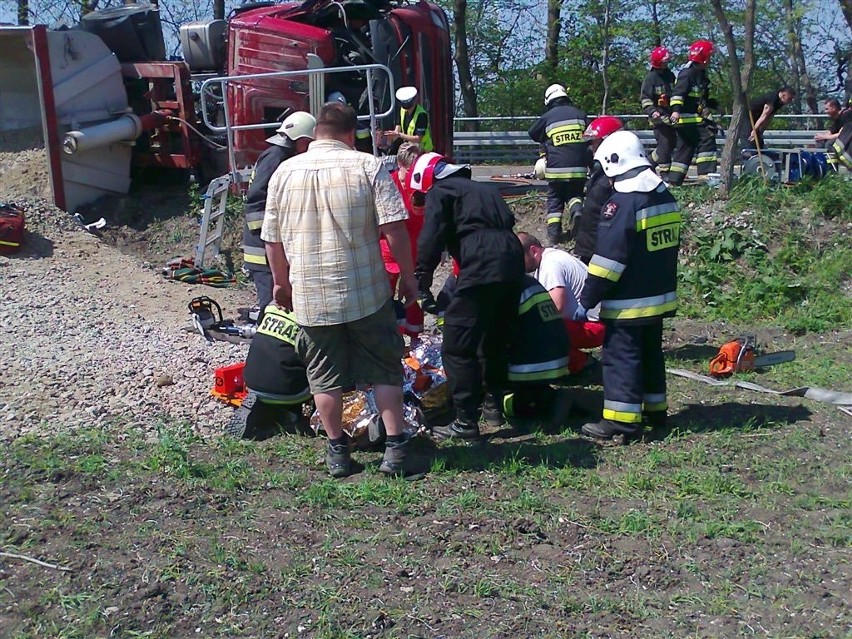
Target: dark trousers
480	322
559	192
707	159
687	142
666	138
263	284
634	372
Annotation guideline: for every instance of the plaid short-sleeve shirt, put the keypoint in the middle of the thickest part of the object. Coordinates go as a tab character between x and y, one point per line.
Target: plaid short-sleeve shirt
325	206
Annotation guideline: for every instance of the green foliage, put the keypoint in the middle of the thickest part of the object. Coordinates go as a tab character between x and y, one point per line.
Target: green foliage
730	272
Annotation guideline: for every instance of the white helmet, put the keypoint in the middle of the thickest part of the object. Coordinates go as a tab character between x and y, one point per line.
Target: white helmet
554	91
336	96
296	125
621	152
540	168
406	95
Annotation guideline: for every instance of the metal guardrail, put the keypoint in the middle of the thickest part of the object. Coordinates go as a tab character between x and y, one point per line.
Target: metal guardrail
516	147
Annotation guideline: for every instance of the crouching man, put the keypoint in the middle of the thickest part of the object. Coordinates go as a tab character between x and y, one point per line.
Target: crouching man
276	379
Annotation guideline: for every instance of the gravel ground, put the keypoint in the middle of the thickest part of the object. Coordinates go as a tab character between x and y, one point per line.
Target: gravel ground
93	337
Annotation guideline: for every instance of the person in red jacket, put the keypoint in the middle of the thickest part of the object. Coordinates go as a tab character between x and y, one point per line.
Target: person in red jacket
408	152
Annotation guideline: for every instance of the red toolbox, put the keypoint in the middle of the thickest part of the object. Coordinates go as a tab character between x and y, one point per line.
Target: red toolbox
11	228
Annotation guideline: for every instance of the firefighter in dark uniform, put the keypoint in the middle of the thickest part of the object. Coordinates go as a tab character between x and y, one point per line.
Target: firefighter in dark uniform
688	100
598	189
291	138
413	122
633	275
473	223
538	356
656	94
841	149
276	379
560	130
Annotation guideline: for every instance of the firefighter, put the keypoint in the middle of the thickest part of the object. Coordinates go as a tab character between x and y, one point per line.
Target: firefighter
841	148
689	96
656	94
598	189
474	224
633	276
363	136
291	138
413	122
276	379
560	131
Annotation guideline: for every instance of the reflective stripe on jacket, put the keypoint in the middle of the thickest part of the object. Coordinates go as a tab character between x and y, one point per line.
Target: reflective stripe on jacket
633	273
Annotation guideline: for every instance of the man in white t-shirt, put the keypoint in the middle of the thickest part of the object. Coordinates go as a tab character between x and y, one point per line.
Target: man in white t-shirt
563	275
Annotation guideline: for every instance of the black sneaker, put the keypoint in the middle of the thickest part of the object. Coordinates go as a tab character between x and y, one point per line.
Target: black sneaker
338	460
492	411
393	463
657	419
608	429
456	430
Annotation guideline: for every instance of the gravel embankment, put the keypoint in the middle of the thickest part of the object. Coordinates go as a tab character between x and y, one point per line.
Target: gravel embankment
90	337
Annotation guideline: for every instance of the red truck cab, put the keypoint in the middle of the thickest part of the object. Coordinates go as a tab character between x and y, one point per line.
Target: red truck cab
412	40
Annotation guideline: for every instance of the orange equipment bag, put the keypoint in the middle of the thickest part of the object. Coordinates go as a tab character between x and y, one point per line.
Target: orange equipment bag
737	355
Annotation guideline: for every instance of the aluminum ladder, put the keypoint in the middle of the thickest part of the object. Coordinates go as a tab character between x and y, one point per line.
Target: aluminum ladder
215	201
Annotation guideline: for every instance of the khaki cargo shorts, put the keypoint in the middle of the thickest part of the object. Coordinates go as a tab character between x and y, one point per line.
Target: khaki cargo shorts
366	351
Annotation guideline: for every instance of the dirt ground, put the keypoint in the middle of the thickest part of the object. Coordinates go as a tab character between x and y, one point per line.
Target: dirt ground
733	521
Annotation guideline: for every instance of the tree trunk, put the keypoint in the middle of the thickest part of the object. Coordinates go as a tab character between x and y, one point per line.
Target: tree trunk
802	81
846	7
655	20
605	57
218	9
554	28
740	81
462	58
23	12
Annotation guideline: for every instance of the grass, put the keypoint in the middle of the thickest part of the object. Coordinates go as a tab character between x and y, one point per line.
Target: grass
768	255
735	522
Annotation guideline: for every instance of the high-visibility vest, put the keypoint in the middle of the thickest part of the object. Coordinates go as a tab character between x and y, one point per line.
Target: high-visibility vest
408	128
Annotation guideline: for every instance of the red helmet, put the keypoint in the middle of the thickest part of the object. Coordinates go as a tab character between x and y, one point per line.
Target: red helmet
659	56
700	51
601	127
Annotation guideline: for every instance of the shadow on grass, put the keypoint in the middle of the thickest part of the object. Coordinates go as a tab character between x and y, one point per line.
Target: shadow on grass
692	352
508	455
699	418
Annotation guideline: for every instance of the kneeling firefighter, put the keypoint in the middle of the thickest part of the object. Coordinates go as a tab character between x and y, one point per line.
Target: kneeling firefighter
276	379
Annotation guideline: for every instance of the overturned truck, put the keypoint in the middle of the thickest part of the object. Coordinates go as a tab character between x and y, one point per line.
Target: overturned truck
103	98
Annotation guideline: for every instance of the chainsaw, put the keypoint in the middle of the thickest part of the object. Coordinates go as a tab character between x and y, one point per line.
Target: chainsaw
741	355
203	316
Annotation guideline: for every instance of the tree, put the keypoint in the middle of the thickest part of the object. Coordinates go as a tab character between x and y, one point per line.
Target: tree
740	81
23	12
462	60
554	29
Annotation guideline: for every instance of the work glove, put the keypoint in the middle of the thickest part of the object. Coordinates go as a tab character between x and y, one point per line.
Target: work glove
428	303
580	314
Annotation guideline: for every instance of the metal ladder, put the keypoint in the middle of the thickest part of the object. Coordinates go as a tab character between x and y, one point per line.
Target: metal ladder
215	201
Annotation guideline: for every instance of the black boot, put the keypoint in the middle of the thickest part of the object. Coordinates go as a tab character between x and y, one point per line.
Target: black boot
492	410
607	429
554	233
656	419
466	431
